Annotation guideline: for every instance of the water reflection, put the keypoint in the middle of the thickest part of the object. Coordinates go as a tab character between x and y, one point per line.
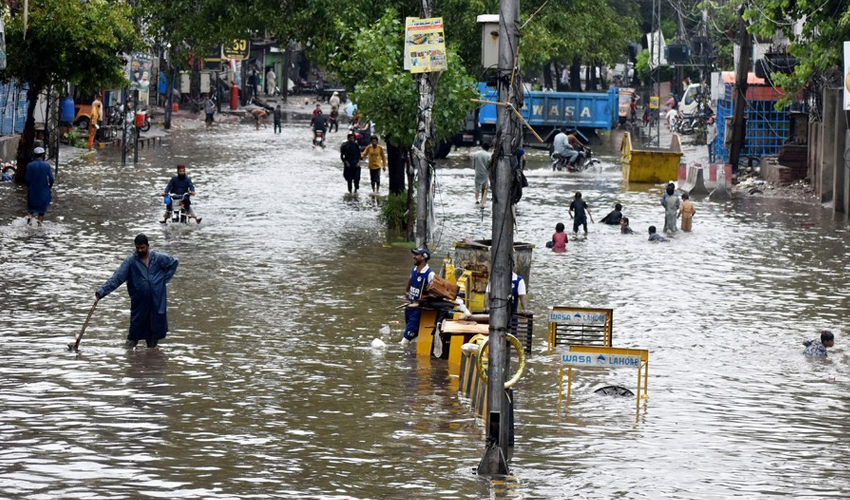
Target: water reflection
267	387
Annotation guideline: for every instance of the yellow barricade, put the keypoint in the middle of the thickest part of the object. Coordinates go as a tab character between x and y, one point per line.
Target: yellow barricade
604	357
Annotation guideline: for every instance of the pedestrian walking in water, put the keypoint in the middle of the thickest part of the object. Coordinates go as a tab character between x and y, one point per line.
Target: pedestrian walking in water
420	277
349	153
481	165
94	118
39	179
146	273
209	111
687	212
278	117
377	160
817	347
579	213
671	203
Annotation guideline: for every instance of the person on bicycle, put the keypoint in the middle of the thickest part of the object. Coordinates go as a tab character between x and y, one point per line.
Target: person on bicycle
179	186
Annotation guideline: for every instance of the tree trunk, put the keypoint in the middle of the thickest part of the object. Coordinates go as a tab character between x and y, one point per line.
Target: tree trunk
25	146
547	77
411	213
195	85
423	153
575	76
397	166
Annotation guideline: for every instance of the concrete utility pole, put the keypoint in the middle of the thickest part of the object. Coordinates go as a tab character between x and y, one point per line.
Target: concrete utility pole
495	461
423	145
739	125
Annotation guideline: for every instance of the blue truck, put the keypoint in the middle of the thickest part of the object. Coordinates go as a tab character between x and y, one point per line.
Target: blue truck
544	111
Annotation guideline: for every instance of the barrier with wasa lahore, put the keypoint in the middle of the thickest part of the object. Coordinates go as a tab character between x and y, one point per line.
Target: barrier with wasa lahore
579	326
604	357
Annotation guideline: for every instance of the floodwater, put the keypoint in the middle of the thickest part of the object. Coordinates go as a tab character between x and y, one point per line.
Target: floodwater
267	387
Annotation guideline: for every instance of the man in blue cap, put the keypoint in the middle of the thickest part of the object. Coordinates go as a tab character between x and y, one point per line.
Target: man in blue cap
420	277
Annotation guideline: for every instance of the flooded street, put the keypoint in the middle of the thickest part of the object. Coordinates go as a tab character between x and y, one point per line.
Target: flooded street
267	387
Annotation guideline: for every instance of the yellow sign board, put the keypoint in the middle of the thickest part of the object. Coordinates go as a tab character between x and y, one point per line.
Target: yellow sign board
653	102
424	45
236	49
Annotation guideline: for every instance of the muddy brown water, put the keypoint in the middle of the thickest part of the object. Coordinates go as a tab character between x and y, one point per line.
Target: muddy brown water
267	387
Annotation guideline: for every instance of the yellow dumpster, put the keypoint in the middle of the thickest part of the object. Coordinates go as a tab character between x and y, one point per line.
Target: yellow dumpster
650	165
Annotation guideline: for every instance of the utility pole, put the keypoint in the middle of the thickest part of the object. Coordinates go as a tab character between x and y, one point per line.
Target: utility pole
136	124
495	461
655	72
739	123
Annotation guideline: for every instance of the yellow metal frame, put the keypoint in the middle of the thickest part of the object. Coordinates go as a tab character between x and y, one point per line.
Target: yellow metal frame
643	369
427	324
552	328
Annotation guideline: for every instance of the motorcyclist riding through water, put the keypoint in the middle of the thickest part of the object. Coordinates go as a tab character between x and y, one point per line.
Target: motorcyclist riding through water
177	187
567	150
319	122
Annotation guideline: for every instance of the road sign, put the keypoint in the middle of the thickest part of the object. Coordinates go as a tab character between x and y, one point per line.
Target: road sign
600	359
578	317
580	356
236	49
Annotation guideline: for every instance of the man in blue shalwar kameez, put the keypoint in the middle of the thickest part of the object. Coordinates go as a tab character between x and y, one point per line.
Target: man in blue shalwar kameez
39	178
146	273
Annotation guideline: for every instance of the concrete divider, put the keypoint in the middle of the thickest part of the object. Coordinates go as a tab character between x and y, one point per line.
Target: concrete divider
723	175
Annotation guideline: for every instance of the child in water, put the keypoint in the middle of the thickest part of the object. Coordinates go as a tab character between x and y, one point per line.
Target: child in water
559	239
817	348
686	212
624	226
654	236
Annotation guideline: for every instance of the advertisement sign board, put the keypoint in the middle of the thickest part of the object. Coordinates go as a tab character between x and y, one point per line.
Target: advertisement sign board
424	45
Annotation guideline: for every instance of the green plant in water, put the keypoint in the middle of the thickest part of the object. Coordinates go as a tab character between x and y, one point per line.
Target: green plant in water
73	139
393	212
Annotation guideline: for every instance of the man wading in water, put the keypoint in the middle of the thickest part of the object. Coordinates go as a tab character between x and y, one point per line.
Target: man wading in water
420	277
146	273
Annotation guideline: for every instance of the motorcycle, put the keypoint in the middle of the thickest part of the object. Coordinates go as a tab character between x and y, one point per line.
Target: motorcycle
362	136
585	160
147	122
179	213
319	138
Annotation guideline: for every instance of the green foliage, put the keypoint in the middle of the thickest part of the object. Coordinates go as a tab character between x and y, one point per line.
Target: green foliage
393	212
824	24
73	139
587	31
70	41
643	69
369	60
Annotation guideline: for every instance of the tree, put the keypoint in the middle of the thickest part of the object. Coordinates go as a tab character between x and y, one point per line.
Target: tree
66	41
824	25
567	35
369	60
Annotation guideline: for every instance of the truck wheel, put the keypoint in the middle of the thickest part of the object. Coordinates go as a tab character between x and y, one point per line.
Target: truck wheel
442	150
